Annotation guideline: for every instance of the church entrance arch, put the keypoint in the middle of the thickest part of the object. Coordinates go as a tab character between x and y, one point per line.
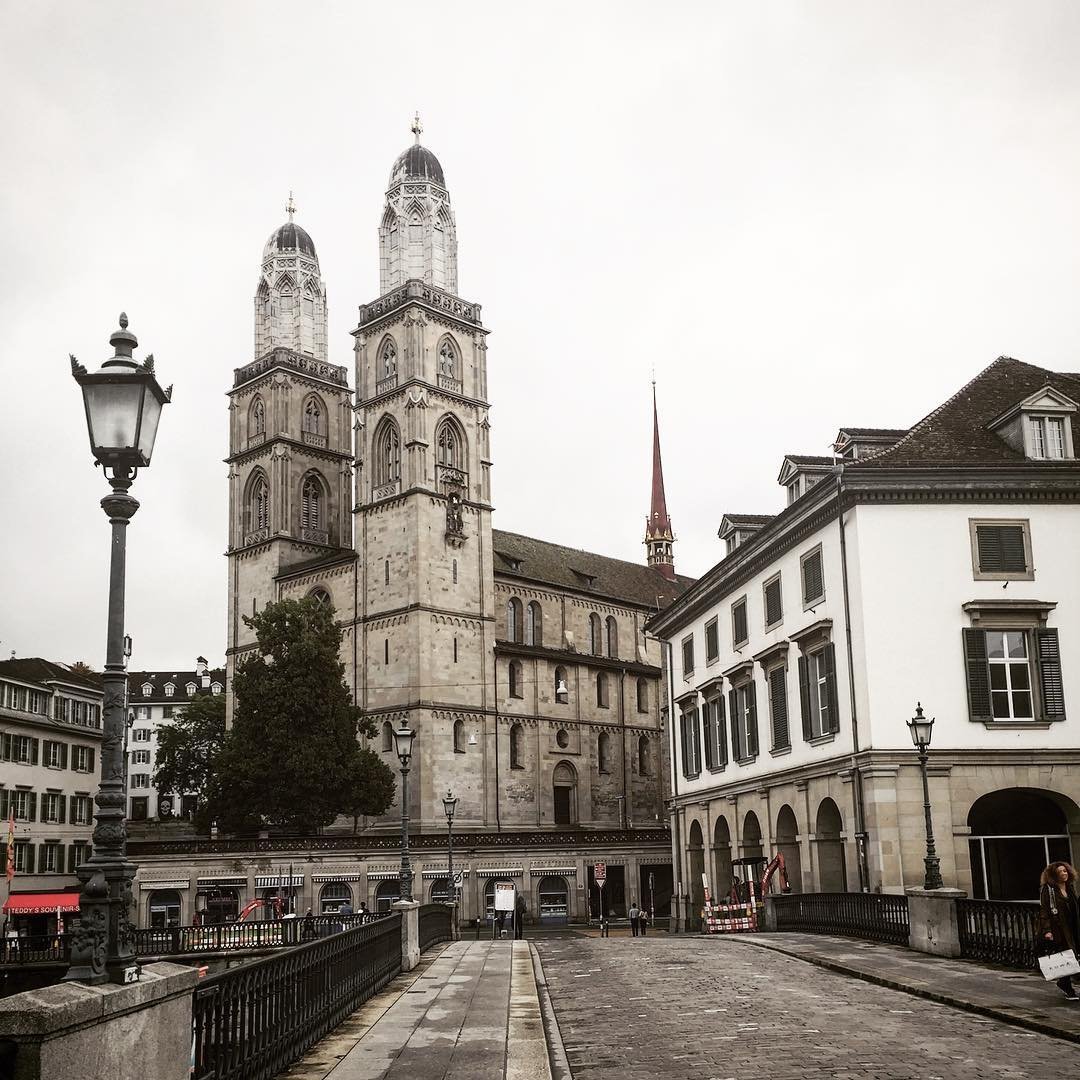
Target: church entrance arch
1015	833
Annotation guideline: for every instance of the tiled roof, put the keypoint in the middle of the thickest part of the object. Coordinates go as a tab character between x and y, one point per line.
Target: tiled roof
158	679
345	555
955	433
809	459
34	669
874	432
583	571
742	521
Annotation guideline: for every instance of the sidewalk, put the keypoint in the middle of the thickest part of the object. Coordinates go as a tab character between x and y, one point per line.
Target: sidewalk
1016	997
469	1011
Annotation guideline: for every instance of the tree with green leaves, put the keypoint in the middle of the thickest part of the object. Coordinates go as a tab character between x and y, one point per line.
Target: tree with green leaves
291	757
188	749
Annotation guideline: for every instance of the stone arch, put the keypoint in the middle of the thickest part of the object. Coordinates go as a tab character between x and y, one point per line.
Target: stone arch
722	876
386	359
596	635
611	635
564	793
332	895
448	358
828	837
314	503
696	860
751	836
644	751
256	418
517	738
603	752
534	623
562	687
386	445
451	446
164	908
513	619
386	893
314	417
256	501
787	844
1015	833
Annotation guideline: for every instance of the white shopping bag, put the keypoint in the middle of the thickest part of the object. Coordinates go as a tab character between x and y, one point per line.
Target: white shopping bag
1058	965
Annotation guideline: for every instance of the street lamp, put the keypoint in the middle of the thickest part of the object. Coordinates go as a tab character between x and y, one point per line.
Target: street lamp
921	731
123	406
450	805
403	740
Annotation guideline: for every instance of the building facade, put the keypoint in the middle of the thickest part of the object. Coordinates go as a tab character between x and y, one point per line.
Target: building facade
935	565
521	664
155	700
50	762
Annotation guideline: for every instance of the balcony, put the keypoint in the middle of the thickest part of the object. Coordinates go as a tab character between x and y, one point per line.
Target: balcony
386	491
313	438
448	382
384	386
257	536
314	536
256	438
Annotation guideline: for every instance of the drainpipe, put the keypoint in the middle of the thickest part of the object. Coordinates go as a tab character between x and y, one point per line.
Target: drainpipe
861	836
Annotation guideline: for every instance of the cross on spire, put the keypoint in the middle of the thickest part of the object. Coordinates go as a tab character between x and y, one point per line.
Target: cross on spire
417	128
290	206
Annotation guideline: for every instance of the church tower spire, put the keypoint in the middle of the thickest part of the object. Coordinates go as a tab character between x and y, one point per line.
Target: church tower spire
658	535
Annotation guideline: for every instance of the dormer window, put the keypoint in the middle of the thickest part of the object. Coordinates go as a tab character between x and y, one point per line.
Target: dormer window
147	689
215	688
169	689
1039	427
794	490
190	688
732	542
1046	437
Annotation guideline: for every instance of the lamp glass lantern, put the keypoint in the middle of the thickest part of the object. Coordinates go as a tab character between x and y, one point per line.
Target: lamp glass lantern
449	805
921	728
403	741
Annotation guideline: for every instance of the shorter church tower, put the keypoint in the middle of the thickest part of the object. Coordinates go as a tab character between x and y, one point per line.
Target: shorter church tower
658	535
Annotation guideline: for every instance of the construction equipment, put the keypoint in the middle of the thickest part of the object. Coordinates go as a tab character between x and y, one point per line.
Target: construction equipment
740	913
271	902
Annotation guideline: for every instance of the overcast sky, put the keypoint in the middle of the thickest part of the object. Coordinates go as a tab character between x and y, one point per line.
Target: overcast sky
800	215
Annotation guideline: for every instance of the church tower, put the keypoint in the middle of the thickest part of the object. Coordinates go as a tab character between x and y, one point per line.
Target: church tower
423	500
290	437
658	535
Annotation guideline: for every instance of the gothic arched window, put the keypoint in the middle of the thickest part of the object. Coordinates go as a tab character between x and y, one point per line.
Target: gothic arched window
516	738
516	678
387	453
562	690
448	364
602	690
459	736
513	619
450	444
643	695
259	504
596	635
311	504
387	359
643	756
534	624
612	636
257	418
314	417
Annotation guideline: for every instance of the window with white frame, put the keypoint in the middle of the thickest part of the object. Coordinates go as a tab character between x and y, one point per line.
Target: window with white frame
742	702
147	690
691	742
190	689
1047	437
82	810
140	734
82	758
140	780
55	756
715	733
52	807
51	858
170	689
140	757
817	691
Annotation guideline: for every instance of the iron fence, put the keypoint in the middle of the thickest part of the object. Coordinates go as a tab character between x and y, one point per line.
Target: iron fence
35	949
874	916
252	1022
1002	932
435	925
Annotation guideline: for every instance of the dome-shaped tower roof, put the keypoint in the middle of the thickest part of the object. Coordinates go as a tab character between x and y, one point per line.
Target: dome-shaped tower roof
289	237
417	163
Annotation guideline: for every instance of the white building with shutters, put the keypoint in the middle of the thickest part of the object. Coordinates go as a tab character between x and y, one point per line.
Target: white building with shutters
936	565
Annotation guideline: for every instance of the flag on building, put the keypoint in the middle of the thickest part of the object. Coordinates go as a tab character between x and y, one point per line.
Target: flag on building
11	846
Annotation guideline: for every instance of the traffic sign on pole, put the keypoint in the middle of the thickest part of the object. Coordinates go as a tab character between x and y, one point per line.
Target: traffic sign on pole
600	872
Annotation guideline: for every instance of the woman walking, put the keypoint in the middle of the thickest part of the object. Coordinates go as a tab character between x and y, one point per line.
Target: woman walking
1059	915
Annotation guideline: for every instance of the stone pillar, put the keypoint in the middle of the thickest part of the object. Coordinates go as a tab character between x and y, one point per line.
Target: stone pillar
933	926
767	916
139	1029
410	933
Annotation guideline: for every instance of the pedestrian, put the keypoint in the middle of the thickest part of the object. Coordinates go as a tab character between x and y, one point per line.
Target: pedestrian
345	908
635	917
520	907
643	921
1059	917
307	926
363	912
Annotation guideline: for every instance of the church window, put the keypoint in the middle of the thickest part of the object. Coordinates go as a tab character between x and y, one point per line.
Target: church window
387	737
459	736
455	571
602	690
603	752
643	695
596	635
513	619
387	453
612	636
534	624
257	422
259	504
321	597
643	754
516	735
562	691
310	504
387	360
386	651
515	678
313	417
450	444
447	360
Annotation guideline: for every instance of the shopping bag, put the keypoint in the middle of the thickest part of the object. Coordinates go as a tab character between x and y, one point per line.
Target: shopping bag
1058	965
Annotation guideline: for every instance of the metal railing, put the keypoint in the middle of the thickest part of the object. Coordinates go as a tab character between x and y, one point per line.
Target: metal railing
874	916
35	949
435	925
1000	931
253	1021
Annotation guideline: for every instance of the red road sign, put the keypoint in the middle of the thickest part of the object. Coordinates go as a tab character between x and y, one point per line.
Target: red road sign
600	873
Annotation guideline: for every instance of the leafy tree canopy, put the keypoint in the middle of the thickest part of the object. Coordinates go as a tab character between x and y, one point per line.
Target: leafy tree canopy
189	747
81	667
291	757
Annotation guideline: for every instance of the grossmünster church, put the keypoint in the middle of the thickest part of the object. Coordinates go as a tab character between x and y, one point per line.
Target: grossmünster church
521	664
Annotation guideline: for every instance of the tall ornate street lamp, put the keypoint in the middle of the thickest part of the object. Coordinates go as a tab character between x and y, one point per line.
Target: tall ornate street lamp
921	731
123	406
450	805
403	740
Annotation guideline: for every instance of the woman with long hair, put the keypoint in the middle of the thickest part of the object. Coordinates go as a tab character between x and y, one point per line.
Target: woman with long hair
1059	915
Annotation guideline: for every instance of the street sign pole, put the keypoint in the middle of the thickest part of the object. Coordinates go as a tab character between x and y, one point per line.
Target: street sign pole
600	877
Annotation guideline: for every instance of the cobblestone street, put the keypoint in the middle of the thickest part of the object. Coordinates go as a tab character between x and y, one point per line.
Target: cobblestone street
690	1008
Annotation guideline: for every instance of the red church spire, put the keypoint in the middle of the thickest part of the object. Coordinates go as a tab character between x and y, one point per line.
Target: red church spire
658	535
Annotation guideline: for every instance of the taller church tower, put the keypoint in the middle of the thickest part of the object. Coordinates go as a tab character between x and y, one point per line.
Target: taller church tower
290	437
423	500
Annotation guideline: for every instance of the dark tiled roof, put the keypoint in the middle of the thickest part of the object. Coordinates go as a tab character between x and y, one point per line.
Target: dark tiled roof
305	566
583	571
742	521
955	433
158	679
874	432
809	459
34	669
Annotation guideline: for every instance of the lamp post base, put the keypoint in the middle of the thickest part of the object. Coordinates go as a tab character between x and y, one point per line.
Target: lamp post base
933	873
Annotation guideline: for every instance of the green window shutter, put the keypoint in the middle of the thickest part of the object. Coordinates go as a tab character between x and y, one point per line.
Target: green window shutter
1000	549
4	800
62	800
63	755
695	734
33	751
29	859
71	858
813	585
31	805
751	720
804	697
736	726
978	675
5	747
1053	688
91	759
778	706
829	653
721	732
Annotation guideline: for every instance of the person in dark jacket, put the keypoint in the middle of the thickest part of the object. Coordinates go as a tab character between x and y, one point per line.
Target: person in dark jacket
1059	915
520	907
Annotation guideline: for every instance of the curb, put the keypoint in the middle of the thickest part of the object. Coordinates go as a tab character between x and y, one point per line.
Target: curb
1005	1017
557	1060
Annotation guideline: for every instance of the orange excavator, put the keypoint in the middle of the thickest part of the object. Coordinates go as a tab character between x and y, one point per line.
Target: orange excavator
273	905
740	913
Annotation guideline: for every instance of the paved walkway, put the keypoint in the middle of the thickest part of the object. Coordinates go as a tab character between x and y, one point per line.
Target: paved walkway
719	1008
1019	997
470	1011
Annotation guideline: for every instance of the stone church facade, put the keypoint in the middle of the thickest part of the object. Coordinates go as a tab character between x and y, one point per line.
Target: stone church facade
522	665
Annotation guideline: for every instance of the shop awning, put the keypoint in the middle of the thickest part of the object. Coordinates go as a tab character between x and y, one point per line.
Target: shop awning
41	903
